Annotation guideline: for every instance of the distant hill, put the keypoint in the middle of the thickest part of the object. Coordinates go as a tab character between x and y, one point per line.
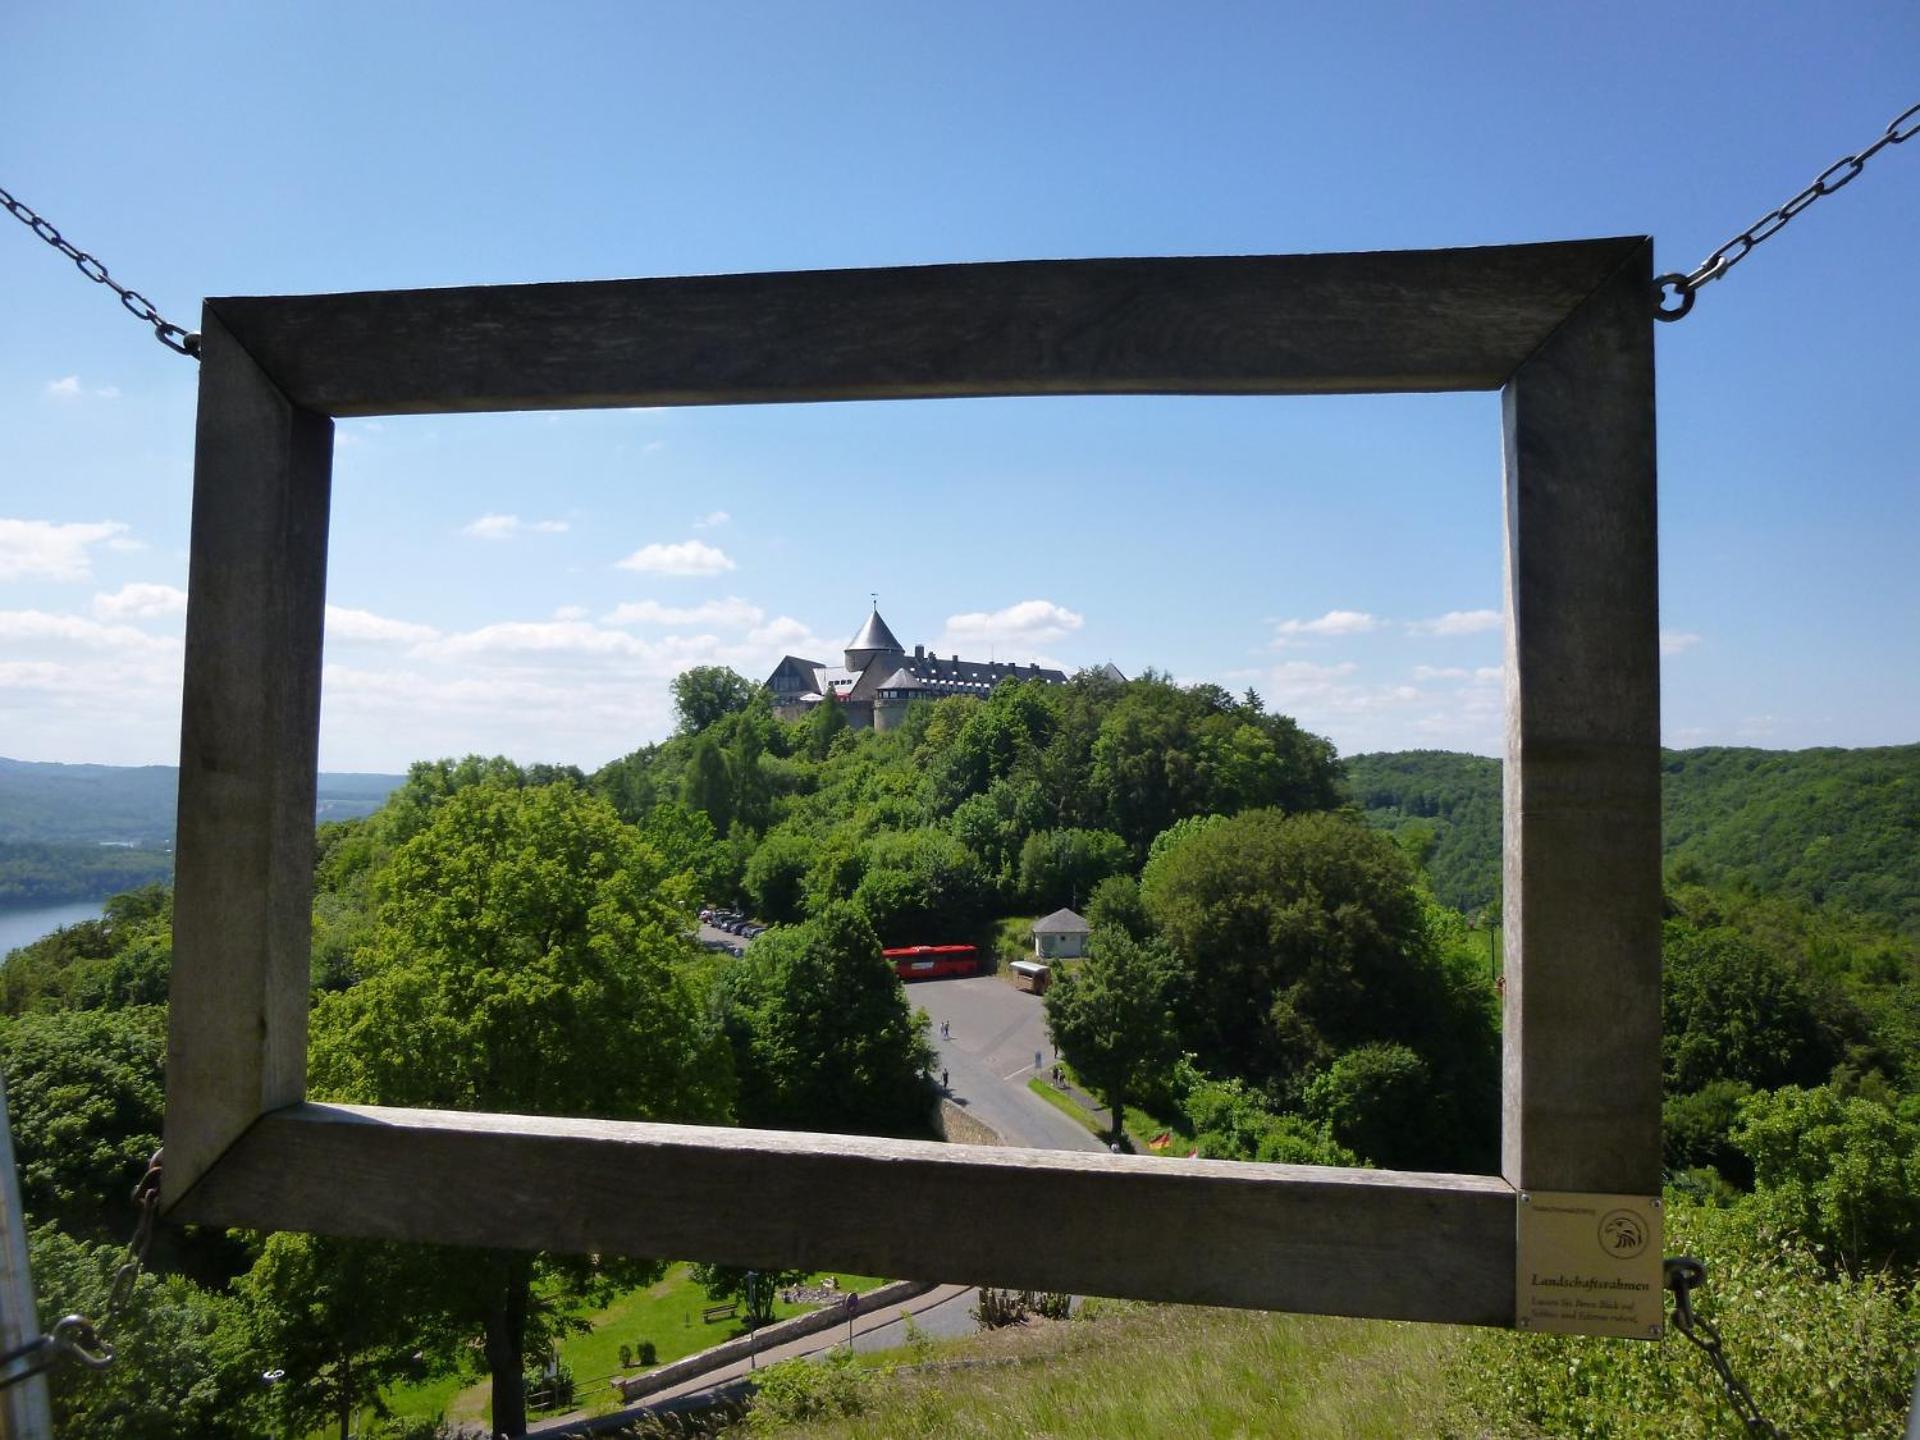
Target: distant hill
133	805
1826	826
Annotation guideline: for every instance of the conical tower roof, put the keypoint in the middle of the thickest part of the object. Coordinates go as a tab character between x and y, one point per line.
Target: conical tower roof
874	636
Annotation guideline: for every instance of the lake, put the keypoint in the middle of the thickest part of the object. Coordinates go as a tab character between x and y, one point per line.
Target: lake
22	927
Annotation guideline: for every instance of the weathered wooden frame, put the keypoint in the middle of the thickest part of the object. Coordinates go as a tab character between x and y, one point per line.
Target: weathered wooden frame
1563	329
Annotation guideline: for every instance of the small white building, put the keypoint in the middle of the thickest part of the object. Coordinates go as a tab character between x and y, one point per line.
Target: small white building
1060	936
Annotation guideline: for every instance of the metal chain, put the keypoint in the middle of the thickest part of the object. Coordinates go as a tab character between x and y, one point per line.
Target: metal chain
1836	176
1684	1274
75	1337
165	331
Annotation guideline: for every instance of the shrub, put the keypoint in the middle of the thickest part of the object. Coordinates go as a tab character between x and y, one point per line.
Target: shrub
998	1308
796	1391
1378	1099
1821	1356
553	1392
919	1343
1231	1122
1842	1170
1699	1130
1731	1010
1053	1305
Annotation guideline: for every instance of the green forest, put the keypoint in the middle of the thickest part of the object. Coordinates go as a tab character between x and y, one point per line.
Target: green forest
34	873
1283	967
1831	827
84	832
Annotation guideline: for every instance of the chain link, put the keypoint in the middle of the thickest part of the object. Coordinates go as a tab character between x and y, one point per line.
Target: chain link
1836	177
75	1337
165	331
1684	1274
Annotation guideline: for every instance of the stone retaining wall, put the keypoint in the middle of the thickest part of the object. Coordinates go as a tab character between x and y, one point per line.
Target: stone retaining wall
885	1298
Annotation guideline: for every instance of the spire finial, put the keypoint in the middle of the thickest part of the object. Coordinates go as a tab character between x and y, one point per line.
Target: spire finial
874	595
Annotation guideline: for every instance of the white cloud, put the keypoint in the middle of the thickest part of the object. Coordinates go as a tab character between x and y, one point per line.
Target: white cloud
345	624
491	527
570	612
505	527
1019	627
140	601
1677	642
689	557
27	626
536	637
1448	707
713	519
785	635
1333	623
68	387
1458	622
732	613
1295	677
43	550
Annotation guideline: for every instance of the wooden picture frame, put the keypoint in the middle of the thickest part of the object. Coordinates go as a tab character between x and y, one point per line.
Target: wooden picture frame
1564	330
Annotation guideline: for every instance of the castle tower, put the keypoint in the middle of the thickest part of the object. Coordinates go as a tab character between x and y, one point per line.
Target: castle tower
873	641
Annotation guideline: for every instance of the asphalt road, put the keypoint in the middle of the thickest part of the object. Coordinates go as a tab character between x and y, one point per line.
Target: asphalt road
995	1031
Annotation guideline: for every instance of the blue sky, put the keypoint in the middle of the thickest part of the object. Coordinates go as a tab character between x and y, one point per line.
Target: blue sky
528	584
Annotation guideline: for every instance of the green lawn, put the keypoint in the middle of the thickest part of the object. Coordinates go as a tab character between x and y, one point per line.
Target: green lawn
1140	1126
667	1313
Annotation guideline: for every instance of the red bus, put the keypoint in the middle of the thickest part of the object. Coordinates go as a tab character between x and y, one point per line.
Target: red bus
930	962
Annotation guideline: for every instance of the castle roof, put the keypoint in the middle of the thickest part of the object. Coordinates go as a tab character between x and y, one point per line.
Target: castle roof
874	635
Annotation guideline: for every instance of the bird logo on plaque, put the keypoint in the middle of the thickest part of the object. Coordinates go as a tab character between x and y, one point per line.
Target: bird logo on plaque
1623	1234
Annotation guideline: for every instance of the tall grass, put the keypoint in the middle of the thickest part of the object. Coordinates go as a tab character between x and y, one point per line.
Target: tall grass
1148	1371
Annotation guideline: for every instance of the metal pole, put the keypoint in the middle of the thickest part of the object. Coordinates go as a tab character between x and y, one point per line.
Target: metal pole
24	1412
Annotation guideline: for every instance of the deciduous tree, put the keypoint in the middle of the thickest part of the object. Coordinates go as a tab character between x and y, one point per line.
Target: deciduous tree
823	1037
1112	1017
707	693
1303	936
341	1321
524	961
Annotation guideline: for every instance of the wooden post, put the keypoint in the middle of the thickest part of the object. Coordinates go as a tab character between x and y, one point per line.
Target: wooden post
24	1410
249	740
1582	780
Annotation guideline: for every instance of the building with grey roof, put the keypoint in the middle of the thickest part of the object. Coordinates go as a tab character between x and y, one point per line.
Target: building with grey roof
1060	936
880	678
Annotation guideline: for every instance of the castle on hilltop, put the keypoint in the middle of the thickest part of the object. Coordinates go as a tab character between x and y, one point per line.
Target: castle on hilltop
880	679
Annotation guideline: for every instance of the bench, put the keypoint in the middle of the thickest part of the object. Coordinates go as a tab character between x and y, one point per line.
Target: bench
720	1312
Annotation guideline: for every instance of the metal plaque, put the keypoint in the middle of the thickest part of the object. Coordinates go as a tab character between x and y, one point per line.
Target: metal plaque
1589	1264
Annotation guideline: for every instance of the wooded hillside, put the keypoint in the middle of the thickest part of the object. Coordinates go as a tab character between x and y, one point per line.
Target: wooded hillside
1828	826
